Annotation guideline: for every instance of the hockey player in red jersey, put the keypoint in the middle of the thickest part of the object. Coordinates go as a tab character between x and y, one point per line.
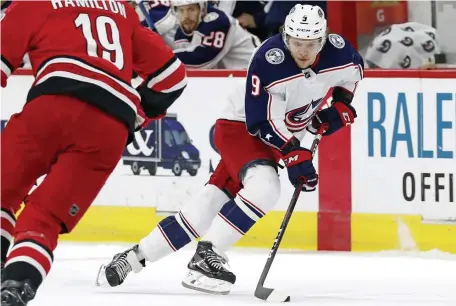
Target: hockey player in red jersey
80	113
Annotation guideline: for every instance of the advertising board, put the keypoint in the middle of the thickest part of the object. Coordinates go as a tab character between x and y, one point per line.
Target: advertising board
387	182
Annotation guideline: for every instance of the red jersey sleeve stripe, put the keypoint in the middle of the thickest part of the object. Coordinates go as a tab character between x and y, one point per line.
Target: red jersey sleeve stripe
163	77
6	67
175	81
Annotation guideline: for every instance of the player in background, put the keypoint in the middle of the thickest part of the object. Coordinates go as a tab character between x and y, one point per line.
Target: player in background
291	75
209	38
163	21
80	113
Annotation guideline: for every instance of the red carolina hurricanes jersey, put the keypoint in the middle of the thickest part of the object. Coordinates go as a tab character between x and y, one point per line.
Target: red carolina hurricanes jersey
88	49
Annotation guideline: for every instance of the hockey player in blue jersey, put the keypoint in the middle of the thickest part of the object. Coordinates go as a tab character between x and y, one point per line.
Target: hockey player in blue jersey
157	15
290	76
209	38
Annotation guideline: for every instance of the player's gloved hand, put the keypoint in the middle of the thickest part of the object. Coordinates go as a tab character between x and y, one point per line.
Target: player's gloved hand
337	116
299	164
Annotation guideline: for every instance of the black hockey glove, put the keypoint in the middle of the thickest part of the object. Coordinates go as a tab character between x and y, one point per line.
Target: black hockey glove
299	164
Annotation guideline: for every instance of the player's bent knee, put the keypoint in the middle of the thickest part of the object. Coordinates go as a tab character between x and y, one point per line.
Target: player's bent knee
261	188
203	208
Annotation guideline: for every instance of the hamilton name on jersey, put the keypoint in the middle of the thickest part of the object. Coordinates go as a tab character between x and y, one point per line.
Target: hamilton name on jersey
281	98
105	5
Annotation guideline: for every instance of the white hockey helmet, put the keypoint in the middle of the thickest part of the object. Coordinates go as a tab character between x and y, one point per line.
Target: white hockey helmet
202	4
306	22
188	2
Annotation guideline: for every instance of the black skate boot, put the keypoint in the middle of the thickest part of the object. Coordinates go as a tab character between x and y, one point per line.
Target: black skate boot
17	293
121	265
207	271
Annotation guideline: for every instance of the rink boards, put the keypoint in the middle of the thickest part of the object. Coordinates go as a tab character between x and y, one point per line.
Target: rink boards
385	183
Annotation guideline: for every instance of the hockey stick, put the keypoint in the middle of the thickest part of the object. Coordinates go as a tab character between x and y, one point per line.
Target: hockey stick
145	12
269	294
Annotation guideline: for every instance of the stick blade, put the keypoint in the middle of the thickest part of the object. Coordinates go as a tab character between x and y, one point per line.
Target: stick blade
271	295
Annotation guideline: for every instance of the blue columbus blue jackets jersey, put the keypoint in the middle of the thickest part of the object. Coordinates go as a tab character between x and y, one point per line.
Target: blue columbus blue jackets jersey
280	99
218	42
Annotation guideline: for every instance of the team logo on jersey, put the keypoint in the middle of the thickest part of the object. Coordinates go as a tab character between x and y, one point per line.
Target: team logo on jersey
211	17
337	40
297	119
275	56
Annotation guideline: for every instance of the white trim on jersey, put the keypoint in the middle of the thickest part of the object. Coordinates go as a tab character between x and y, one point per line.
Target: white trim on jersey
284	80
6	70
166	73
258	134
77	77
63	60
6	235
7	217
178	86
336	68
271	120
361	71
139	121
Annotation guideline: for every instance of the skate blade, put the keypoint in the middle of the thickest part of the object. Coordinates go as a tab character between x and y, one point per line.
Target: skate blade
199	282
101	280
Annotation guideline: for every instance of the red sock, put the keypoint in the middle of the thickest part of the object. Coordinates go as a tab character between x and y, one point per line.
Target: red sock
8	223
31	255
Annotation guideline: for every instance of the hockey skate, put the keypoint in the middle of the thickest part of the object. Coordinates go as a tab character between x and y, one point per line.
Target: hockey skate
208	272
121	265
16	293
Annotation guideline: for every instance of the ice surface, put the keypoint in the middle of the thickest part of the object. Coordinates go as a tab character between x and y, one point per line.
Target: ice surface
310	278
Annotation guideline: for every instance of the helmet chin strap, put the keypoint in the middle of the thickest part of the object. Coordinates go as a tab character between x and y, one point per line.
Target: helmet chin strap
285	40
